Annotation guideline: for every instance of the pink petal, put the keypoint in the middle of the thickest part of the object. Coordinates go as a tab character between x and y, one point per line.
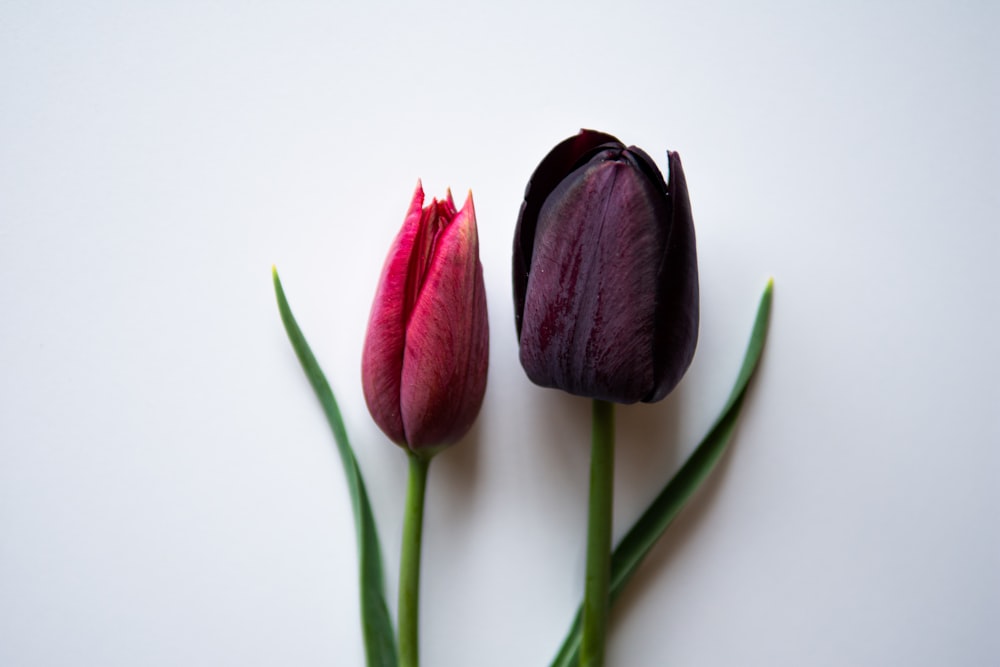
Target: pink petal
382	357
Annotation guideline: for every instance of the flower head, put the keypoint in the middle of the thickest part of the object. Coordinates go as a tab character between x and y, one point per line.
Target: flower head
605	272
425	356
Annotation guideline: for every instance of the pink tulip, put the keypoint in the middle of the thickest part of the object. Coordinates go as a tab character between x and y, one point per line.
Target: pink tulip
423	368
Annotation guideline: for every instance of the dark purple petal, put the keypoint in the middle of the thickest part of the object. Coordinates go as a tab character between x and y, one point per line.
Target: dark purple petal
677	315
560	161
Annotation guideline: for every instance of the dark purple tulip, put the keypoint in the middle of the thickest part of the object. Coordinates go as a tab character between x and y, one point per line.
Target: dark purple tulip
606	272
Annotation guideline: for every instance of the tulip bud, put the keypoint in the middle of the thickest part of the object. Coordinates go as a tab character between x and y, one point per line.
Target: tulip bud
605	272
423	367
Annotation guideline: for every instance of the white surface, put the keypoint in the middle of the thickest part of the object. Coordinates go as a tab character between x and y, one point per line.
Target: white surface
169	492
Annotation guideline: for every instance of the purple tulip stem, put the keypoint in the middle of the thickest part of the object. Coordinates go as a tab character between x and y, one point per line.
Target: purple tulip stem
602	473
409	564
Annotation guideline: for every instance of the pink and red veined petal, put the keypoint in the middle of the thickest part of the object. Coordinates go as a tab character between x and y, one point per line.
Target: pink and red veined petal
382	357
447	341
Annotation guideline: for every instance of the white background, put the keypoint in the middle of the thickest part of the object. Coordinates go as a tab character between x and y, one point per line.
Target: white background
169	491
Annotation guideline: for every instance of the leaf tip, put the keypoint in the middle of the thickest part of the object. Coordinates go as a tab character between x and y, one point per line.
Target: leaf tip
764	309
275	279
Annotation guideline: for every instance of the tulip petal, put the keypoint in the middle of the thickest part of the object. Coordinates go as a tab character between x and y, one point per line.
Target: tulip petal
382	357
677	322
591	299
447	342
433	219
560	161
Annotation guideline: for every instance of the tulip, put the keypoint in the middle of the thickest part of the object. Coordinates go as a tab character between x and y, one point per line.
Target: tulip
606	306
423	367
605	272
425	355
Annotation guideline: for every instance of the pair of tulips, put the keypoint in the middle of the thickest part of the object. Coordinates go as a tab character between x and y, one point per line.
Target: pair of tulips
605	292
606	303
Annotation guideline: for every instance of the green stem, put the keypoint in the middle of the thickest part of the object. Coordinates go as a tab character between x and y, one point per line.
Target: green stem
409	563
602	473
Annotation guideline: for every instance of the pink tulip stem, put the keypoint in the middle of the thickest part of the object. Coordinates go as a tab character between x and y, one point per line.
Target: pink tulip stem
409	564
602	473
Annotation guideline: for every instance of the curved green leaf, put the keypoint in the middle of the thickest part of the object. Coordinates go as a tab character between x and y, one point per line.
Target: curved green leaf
639	540
380	642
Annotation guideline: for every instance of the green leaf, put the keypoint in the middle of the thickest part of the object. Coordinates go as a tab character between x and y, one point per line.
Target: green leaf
380	642
639	540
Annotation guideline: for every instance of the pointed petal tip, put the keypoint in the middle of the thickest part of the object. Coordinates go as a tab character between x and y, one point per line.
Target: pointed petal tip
418	196
468	206
466	218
